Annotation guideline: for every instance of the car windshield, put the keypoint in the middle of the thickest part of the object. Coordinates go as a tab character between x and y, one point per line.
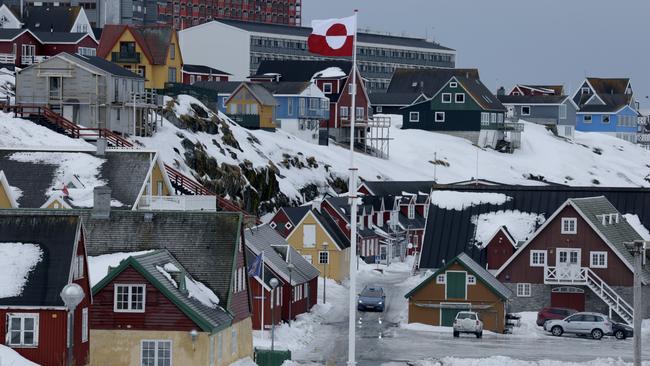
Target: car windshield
371	292
466	316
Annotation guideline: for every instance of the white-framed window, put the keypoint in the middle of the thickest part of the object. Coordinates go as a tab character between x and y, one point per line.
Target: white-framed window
563	111
585	90
309	235
446	97
288	226
129	298
569	225
493	118
192	79
327	88
360	112
587	118
500	118
485	119
156	353
537	258
87	51
22	330
471	280
414	117
344	112
441	279
411	212
439	117
172	51
524	290
379	109
233	341
525	110
606	119
273	225
323	257
598	259
460	97
84	325
453	84
78	267
313	104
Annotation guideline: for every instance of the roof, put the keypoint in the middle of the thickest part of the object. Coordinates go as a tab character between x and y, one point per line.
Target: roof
55	235
480	93
105	65
205	243
7	34
609	85
50	18
397	188
389	99
286	87
440	243
427	81
555	89
210	319
40	174
612	92
154	40
60	37
278	254
225	87
532	99
300	70
362	37
476	269
613	103
261	93
295	214
202	69
328	224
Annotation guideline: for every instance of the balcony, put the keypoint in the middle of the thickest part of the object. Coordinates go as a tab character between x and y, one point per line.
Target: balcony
565	275
643	138
7	58
246	120
510	126
178	203
32	60
125	58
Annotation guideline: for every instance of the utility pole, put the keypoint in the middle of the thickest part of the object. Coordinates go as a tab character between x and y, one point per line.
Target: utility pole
637	249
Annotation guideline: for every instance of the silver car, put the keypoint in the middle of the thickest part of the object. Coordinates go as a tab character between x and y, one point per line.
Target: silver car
468	322
593	324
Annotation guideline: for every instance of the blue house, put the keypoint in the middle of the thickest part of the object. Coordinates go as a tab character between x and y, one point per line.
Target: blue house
607	106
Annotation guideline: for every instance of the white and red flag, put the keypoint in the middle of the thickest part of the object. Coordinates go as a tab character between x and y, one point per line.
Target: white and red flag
333	37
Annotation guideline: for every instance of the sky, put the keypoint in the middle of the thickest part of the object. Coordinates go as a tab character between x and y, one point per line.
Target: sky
519	41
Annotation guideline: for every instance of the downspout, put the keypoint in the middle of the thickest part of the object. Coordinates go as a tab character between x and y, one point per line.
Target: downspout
211	354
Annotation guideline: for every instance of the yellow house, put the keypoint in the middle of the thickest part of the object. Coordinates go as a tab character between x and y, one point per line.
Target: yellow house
152	52
318	240
252	106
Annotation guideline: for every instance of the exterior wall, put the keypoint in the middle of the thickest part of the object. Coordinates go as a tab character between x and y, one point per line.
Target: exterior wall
239	302
280	219
157	177
478	294
303	305
499	250
4	198
597	124
345	100
541	114
242	99
52	49
188	76
272	312
293	126
161	72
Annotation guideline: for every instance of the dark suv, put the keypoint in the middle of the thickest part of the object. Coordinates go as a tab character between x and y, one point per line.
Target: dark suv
553	313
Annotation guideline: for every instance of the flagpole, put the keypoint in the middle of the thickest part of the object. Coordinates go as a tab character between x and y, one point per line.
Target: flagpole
263	303
352	190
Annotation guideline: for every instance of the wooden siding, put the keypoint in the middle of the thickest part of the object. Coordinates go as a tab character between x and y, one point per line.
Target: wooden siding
240	305
4	198
550	239
499	250
256	294
52	49
280	219
346	100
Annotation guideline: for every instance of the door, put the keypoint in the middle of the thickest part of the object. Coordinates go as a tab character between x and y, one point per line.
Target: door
456	285
567	262
575	324
68	112
55	87
448	314
568	297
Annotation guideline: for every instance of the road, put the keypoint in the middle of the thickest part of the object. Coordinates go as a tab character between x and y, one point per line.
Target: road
381	340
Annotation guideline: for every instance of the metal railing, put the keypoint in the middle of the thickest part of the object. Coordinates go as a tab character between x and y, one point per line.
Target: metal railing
32	60
178	203
7	58
129	58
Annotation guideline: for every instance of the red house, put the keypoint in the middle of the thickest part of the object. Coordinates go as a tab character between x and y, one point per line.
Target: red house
500	248
577	259
39	255
286	219
297	290
23	47
194	73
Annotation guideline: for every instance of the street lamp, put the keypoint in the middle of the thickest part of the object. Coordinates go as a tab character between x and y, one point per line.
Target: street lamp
194	334
274	283
324	270
637	249
290	267
72	295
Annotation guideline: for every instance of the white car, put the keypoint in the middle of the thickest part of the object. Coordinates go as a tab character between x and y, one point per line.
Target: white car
468	322
594	324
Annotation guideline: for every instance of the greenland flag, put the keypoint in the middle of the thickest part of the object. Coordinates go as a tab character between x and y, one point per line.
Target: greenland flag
333	37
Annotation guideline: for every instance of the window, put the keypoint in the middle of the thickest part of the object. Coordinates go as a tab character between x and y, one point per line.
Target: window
453	84
446	97
290	106
79	267
309	236
441	279
569	225
233	341
485	119
379	109
288	226
525	110
156	353
273	225
84	325
563	111
537	258
585	90
171	74
598	260
471	280
411	212
606	119
587	118
523	290
22	329
192	79
414	117
324	257
344	112
313	104
460	97
500	117
87	51
142	71
327	88
129	298
439	117
172	51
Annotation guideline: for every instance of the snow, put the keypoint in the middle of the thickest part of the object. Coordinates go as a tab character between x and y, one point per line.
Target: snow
635	222
170	267
9	357
195	289
17	260
17	132
520	224
452	200
507	361
330	72
98	265
243	362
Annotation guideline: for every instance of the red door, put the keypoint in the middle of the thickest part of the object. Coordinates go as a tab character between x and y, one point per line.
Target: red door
568	297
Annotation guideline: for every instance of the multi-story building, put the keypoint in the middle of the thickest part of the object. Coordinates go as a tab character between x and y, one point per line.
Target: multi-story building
242	46
91	7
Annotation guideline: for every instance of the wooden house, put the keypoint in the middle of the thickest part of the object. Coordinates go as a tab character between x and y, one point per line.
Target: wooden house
577	259
24	47
287	218
194	73
64	18
252	106
500	248
52	254
461	284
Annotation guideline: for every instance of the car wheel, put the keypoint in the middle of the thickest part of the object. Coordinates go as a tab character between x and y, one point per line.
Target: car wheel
479	335
597	334
557	331
620	335
456	334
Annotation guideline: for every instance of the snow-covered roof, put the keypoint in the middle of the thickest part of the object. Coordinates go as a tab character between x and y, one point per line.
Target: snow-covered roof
455	200
520	225
17	261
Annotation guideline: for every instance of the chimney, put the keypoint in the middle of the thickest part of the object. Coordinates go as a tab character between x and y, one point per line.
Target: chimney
101	147
101	202
501	91
316	203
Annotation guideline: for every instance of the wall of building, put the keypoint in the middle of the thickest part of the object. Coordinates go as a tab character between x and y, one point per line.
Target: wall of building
4	198
293	126
597	124
161	72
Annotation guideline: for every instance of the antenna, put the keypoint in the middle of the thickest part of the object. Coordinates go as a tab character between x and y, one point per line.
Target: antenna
435	167
477	149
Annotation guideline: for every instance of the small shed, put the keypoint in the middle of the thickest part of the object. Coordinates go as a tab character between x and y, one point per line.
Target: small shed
462	284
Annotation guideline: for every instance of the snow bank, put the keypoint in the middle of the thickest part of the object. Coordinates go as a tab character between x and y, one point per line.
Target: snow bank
635	222
17	260
330	72
244	362
520	224
195	290
9	357
452	200
506	361
98	265
17	132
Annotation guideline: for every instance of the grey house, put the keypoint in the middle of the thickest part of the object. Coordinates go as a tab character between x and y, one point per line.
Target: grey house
88	91
557	110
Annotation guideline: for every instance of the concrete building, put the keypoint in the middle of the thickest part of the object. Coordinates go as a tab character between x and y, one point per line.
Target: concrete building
242	46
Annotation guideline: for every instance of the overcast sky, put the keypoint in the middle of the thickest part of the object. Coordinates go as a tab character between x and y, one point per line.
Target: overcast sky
519	41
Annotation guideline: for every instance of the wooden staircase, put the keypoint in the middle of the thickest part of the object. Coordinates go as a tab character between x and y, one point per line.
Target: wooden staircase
610	297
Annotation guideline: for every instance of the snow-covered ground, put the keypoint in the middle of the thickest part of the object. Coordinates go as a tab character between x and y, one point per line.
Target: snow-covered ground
9	357
507	361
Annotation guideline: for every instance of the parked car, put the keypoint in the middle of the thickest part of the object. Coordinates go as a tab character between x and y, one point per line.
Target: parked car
372	298
468	322
594	324
621	331
549	313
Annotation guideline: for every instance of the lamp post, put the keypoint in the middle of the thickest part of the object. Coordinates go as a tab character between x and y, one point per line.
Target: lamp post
274	283
637	249
290	267
324	271
72	295
194	335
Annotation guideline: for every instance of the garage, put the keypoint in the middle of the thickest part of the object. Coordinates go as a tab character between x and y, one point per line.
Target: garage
568	297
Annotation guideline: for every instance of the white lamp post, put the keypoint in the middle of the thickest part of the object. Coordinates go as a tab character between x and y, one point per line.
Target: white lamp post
274	283
72	295
325	244
290	267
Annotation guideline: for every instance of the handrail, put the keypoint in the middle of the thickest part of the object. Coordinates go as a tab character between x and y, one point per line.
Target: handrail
606	290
